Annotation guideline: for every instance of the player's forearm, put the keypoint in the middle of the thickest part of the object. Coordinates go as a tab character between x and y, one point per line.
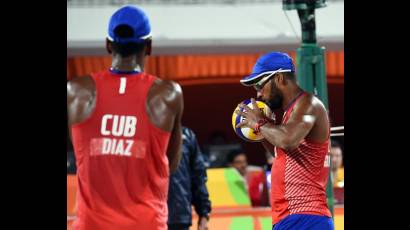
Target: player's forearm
174	161
174	149
279	136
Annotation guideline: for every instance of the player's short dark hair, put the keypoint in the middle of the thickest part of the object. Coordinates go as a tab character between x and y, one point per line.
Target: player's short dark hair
233	154
130	48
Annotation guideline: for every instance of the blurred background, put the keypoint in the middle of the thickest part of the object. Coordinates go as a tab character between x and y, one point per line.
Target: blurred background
208	46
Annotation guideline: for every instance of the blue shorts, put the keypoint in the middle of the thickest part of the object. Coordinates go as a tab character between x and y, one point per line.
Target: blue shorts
304	222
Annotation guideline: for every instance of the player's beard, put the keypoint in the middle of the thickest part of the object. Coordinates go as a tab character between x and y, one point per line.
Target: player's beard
276	101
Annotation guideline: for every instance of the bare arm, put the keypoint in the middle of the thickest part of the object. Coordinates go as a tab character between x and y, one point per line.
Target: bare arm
165	106
70	99
289	136
80	99
174	147
300	124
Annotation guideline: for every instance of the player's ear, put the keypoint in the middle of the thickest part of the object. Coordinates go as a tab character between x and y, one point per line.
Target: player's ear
148	47
108	45
281	79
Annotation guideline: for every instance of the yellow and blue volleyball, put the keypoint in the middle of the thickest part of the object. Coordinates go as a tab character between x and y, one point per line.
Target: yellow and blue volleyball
246	133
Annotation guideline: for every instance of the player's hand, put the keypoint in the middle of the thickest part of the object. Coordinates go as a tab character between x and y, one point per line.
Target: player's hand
251	116
203	223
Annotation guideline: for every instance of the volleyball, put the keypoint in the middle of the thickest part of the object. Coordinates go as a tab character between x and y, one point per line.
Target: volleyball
246	133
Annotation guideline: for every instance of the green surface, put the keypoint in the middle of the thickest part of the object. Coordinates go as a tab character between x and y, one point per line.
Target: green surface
266	223
241	223
237	189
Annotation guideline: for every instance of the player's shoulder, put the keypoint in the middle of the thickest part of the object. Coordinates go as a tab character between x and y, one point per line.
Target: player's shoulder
80	85
317	103
311	104
167	88
168	85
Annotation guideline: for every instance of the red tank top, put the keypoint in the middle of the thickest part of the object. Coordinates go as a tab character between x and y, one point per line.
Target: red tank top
122	166
299	177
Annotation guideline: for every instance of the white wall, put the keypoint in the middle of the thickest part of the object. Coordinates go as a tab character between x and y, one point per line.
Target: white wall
210	27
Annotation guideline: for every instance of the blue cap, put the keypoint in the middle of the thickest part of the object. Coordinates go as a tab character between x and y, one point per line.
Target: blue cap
133	17
269	63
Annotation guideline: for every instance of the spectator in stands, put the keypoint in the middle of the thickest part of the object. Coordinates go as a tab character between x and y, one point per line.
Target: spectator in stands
258	183
215	149
337	164
237	159
253	176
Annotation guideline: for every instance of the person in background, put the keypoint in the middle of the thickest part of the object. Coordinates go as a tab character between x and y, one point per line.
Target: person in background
336	154
187	187
237	159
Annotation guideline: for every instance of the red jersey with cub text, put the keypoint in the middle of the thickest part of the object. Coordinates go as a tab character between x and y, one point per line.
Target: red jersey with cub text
122	166
299	177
